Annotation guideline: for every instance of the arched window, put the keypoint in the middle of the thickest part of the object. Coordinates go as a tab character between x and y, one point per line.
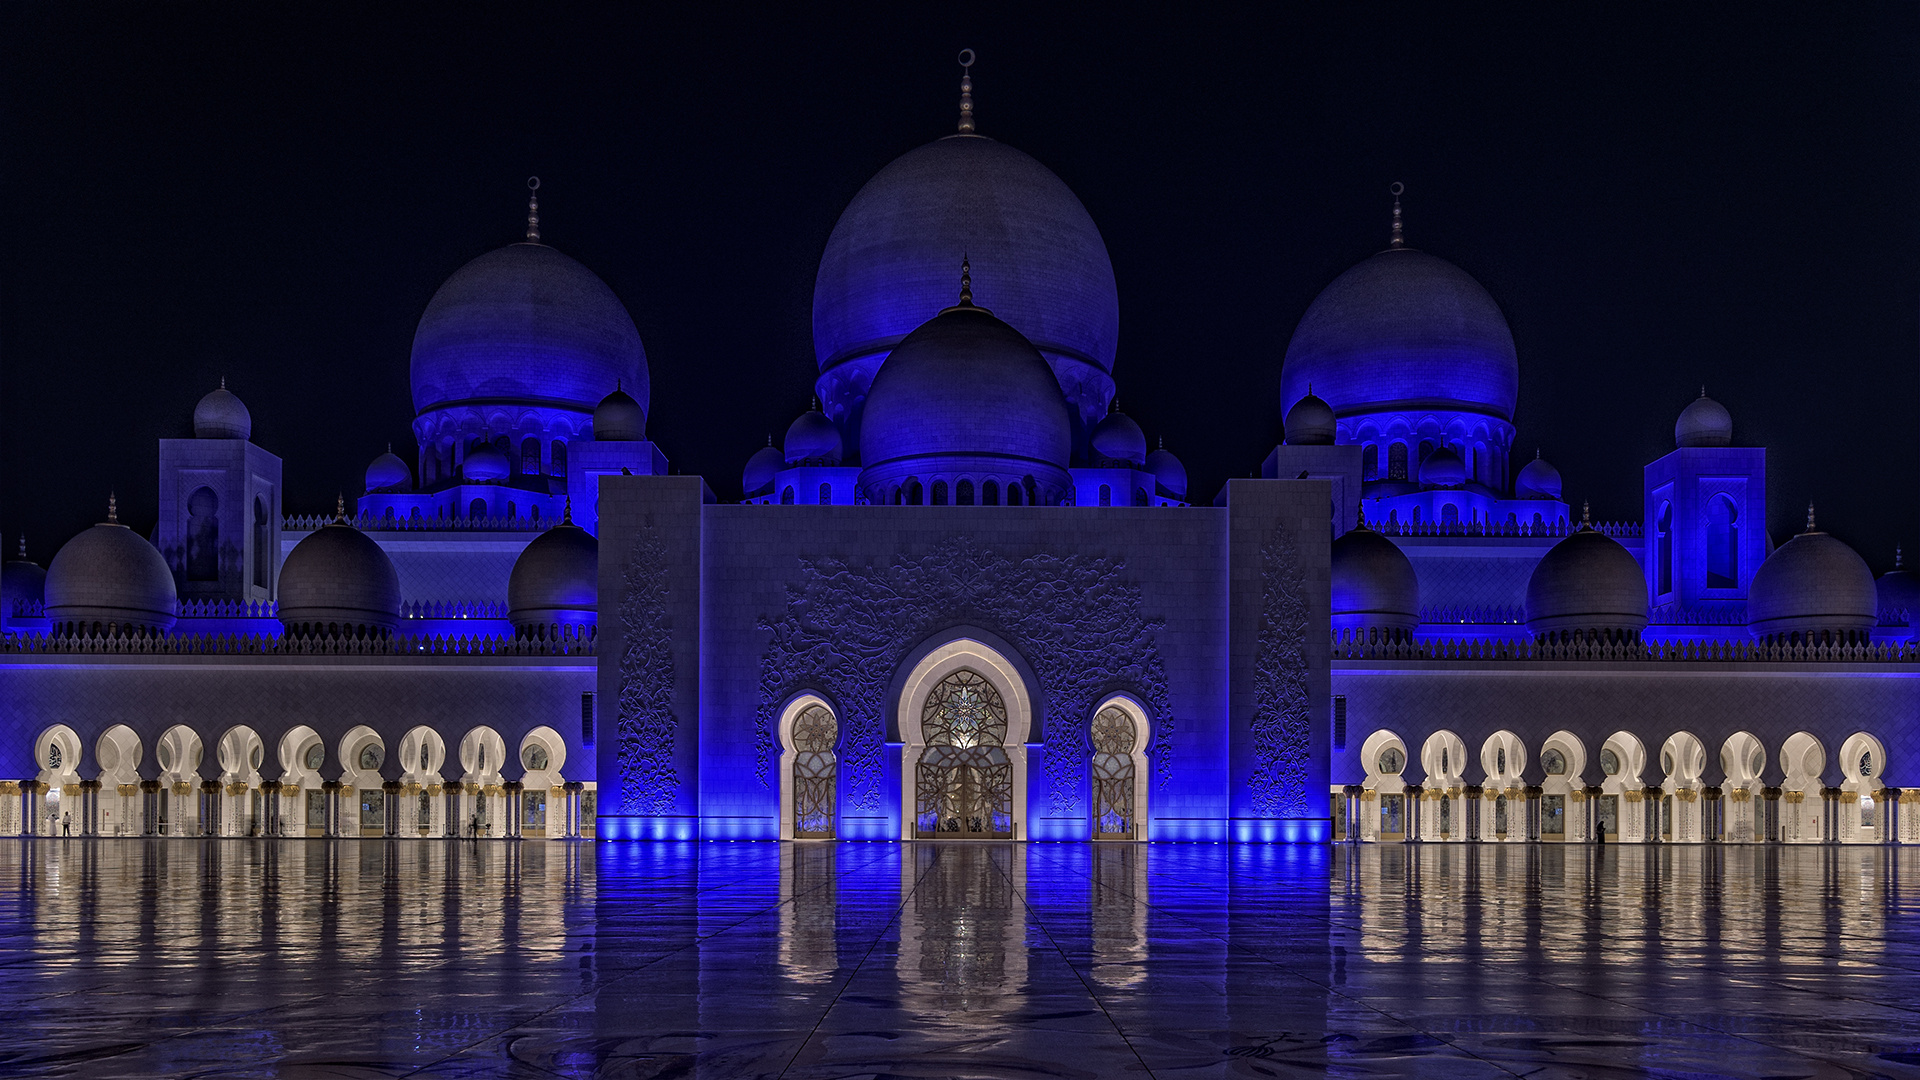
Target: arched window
990	493
1663	550
559	459
1450	515
964	779
939	493
530	456
826	494
1370	462
1140	496
1106	495
963	493
533	513
1723	544
1113	738
477	509
1033	497
203	535
815	734
914	492
1013	494
262	544
512	510
1397	461
786	496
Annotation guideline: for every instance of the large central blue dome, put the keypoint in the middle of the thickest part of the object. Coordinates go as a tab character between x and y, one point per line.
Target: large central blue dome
1404	331
525	325
1039	259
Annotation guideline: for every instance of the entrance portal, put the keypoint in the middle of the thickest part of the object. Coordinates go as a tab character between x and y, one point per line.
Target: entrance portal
964	780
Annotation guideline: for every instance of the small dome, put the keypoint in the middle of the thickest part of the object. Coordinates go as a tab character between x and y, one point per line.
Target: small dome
619	418
966	392
110	575
221	415
1537	480
1443	468
1117	439
389	473
1813	586
556	579
1310	422
22	582
1587	583
525	323
812	439
485	464
1706	422
762	467
338	582
1374	584
1167	472
1897	593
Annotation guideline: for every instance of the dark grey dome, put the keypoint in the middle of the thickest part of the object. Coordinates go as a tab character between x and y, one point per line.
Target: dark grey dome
963	388
1897	593
110	576
389	473
1119	441
762	467
1168	472
485	464
1813	586
1443	468
1587	583
1310	422
221	415
1706	422
1537	480
1374	583
556	579
22	582
619	418
812	439
338	582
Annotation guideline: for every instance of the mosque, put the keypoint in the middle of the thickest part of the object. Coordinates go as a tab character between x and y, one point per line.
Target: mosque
965	596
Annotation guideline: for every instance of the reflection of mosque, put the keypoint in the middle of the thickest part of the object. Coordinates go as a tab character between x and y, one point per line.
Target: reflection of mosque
962	598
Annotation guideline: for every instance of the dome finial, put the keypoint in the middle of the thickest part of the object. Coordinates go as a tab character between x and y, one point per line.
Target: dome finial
1809	515
223	382
816	403
1896	551
1399	239
23	550
966	92
1586	514
113	508
1703	389
1536	453
533	209
339	507
566	511
966	283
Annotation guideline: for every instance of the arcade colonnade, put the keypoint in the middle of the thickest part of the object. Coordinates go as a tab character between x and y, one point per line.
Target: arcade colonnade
364	785
1683	792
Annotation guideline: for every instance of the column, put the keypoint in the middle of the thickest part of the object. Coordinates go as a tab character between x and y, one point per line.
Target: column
390	808
1593	793
31	804
1829	815
513	789
1889	815
270	808
331	813
573	787
1768	827
1712	823
1651	799
1533	813
1352	795
456	821
149	807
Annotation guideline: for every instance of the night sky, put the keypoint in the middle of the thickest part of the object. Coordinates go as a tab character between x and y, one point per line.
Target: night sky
1657	198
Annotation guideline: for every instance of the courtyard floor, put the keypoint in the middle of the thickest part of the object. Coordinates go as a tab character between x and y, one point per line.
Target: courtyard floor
358	959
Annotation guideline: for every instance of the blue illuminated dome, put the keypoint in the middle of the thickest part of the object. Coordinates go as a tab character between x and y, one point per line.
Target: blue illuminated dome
1117	441
812	439
889	262
222	415
110	576
1705	422
486	465
389	473
619	418
765	464
1537	480
1403	331
1897	593
1310	422
965	396
1443	468
1374	584
556	579
1168	473
1587	584
23	584
528	325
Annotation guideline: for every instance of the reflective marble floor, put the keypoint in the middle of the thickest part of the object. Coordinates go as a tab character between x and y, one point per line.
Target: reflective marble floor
372	959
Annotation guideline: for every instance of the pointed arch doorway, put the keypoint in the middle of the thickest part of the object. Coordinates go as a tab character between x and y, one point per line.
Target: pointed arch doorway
964	718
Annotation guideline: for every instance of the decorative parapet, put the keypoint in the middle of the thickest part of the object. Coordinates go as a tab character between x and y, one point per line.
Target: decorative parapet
453	609
228	609
310	522
1474	616
1731	613
565	641
1517	530
24	608
1353	645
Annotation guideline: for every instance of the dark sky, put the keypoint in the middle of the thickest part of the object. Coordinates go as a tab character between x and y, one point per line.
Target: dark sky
1657	196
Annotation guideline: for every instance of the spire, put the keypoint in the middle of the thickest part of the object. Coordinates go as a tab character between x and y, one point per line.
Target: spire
1586	515
966	92
1536	453
816	403
339	507
566	512
1809	515
533	209
966	282
113	509
223	382
1896	551
23	550
1703	389
1399	239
